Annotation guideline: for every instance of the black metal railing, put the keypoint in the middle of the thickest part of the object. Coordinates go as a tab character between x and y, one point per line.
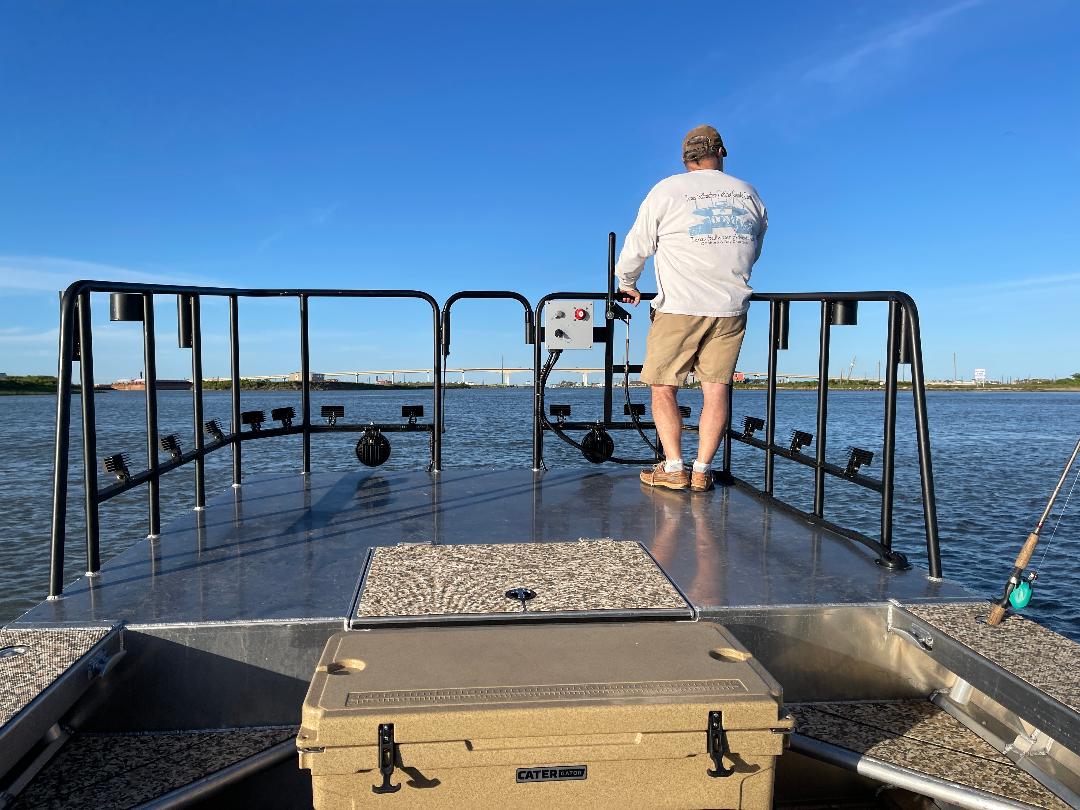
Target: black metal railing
136	302
903	346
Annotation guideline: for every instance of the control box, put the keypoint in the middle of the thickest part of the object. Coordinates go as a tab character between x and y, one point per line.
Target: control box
569	325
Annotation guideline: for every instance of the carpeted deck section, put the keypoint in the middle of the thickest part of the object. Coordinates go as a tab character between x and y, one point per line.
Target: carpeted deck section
1046	660
586	575
126	770
49	653
917	735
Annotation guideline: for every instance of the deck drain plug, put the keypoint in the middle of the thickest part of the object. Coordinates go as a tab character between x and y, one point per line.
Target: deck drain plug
523	595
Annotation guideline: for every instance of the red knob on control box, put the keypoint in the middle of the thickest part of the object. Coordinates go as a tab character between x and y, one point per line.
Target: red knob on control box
581	314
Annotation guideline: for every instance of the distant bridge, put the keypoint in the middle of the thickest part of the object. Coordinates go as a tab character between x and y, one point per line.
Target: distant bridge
505	372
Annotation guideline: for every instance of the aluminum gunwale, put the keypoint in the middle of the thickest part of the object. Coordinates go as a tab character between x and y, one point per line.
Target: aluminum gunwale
1025	700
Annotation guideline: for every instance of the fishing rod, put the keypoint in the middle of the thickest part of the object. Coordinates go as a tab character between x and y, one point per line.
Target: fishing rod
1016	584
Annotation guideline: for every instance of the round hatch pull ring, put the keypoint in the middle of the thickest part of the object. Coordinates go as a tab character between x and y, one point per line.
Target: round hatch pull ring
523	595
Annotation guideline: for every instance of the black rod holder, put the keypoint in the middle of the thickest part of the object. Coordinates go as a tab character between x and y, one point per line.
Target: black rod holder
150	379
89	423
844	313
904	354
783	321
126	307
183	320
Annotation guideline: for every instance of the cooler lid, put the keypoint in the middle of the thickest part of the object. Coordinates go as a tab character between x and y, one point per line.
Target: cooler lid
466	682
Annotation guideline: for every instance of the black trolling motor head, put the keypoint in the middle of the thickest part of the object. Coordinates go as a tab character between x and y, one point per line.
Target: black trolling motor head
597	446
372	448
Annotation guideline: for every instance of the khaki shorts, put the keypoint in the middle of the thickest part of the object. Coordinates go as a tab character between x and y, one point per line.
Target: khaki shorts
678	344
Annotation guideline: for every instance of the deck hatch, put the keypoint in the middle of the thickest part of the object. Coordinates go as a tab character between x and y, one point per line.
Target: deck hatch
405	583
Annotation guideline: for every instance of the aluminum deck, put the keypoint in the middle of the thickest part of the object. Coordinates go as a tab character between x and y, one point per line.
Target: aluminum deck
289	547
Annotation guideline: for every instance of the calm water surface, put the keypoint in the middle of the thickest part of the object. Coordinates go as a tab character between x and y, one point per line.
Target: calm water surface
996	457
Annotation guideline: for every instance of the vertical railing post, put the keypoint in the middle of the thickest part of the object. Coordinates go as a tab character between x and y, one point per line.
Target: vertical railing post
888	452
305	386
436	372
727	433
609	374
770	395
60	451
197	398
609	333
234	375
150	379
922	436
822	408
538	430
89	430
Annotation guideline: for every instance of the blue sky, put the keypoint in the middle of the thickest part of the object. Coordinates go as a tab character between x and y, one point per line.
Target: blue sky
931	147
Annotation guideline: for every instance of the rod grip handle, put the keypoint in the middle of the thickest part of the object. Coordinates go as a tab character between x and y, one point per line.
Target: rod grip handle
1024	557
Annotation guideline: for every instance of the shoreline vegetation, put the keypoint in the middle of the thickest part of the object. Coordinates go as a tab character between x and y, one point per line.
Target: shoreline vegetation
42	384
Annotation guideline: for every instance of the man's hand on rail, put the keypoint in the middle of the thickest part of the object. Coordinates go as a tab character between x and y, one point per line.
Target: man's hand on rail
628	296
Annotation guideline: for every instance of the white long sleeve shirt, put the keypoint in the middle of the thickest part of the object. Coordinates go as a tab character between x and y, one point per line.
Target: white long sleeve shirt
706	229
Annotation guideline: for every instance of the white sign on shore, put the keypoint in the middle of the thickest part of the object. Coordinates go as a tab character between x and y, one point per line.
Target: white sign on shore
979	375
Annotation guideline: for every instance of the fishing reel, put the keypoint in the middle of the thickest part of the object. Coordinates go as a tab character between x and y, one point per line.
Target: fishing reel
1021	594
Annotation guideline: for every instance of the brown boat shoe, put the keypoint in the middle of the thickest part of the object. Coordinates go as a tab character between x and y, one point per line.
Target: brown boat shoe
659	477
701	481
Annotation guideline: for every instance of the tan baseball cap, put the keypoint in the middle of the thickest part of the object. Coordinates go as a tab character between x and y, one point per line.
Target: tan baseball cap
701	141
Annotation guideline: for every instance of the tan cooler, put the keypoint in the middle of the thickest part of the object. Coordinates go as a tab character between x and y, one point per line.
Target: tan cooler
647	714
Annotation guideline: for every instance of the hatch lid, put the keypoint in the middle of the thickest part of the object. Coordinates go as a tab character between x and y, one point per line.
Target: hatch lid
414	582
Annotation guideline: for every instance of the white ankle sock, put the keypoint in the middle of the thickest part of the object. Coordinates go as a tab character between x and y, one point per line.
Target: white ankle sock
701	466
673	465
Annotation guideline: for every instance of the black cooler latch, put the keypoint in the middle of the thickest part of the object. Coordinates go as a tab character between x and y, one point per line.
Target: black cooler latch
386	759
716	745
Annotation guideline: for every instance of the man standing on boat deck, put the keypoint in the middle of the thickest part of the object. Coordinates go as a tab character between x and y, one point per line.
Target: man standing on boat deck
706	230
